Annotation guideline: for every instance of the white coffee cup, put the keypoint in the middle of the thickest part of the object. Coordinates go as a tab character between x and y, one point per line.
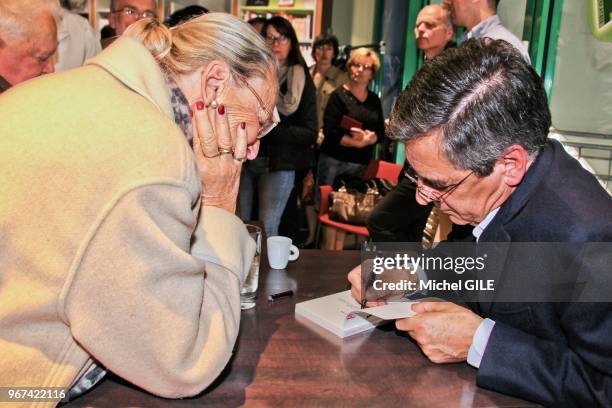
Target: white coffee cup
280	252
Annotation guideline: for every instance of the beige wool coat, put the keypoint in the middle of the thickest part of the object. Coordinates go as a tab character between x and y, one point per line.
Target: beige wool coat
104	252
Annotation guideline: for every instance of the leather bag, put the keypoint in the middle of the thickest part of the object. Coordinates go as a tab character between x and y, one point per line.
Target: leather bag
352	206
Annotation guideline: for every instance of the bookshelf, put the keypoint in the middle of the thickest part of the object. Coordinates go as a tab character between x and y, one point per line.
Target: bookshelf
304	15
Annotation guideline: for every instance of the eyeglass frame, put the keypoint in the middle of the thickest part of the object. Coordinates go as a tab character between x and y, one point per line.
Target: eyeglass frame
363	67
281	39
273	116
136	12
427	191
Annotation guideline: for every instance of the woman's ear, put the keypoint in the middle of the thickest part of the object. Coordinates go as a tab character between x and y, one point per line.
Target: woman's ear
215	80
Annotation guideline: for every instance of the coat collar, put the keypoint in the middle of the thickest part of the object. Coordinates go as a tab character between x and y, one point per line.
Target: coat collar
134	66
332	73
4	84
536	173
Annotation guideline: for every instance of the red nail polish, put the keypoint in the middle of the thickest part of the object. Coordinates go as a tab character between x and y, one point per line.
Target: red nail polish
190	113
199	105
221	110
242	125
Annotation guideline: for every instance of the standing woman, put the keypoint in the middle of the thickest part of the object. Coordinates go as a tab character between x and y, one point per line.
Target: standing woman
345	153
326	77
289	146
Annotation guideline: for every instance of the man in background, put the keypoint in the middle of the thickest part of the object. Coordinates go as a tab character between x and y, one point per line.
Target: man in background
399	218
480	19
434	30
77	41
125	12
28	39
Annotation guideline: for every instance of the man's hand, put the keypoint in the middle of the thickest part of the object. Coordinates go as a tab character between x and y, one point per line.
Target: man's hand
443	330
377	297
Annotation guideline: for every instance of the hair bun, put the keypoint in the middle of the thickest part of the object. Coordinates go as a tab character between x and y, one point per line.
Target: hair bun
153	34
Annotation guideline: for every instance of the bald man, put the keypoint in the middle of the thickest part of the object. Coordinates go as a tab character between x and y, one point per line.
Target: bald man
434	30
28	39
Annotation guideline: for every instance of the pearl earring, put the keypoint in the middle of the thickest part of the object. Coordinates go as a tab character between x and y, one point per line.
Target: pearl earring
214	104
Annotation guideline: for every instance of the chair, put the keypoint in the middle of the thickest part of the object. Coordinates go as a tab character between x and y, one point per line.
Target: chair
376	168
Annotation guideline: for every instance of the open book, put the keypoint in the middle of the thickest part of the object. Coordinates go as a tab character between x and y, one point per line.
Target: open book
341	314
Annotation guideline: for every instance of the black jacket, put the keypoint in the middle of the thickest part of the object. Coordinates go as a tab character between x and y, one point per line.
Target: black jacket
290	145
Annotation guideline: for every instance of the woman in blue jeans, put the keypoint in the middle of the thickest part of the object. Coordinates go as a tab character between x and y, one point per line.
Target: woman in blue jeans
289	146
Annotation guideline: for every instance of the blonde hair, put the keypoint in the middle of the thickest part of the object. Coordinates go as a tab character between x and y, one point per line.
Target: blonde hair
19	18
213	36
366	52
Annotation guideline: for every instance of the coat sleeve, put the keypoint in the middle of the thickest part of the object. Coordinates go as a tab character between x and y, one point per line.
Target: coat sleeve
153	302
573	372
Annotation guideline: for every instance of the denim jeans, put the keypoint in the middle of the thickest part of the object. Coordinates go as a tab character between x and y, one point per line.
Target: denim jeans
273	187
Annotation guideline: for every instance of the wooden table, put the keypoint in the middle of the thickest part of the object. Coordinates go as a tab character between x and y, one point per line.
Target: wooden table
282	362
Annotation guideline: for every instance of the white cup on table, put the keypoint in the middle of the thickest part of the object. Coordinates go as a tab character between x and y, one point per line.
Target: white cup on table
281	251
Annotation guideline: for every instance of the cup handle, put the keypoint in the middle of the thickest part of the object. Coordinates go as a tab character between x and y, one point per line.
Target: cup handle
294	252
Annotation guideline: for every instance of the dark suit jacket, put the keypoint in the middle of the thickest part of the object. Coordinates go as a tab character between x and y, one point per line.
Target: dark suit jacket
554	353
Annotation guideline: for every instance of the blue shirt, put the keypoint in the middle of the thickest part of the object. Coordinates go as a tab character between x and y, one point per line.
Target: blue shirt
493	28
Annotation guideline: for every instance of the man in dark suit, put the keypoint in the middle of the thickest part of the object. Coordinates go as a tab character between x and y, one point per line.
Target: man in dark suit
475	122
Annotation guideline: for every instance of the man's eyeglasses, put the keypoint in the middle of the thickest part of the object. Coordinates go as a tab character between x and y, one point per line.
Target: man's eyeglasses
431	194
365	67
281	39
272	118
130	11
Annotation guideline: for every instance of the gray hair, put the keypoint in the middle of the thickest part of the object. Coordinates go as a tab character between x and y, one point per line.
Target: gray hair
483	98
19	18
213	36
446	13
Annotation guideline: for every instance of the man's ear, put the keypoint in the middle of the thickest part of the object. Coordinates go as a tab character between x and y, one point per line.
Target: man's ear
215	80
515	161
450	34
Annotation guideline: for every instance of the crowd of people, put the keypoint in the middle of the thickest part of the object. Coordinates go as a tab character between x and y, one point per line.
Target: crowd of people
128	177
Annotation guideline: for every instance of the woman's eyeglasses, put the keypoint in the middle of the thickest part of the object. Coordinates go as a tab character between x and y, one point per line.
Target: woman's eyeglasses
432	194
272	118
281	39
364	67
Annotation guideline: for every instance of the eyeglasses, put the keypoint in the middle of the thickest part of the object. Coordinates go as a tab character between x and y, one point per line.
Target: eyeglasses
130	11
431	194
281	39
365	67
272	118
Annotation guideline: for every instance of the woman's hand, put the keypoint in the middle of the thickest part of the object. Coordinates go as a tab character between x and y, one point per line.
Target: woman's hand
359	138
219	159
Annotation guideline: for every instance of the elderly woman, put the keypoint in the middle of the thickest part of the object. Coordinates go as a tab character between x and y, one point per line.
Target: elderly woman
353	122
119	252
